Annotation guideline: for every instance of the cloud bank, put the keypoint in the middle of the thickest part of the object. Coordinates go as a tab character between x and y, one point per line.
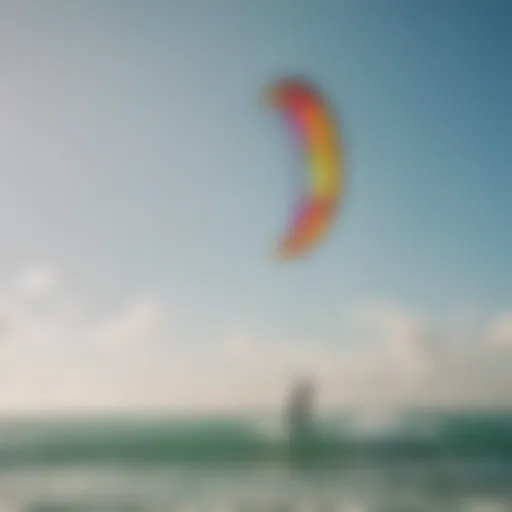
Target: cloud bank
61	356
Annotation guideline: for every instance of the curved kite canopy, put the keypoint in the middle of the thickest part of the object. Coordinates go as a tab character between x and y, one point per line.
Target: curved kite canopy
313	124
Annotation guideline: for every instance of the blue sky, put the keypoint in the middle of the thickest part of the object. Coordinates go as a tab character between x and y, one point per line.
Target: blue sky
136	156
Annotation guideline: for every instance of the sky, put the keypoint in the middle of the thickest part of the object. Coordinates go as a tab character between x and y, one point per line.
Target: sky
144	188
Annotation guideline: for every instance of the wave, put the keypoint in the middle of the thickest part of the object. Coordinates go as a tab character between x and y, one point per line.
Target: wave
251	440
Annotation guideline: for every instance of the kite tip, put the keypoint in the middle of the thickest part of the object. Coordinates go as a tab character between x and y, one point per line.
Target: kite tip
289	250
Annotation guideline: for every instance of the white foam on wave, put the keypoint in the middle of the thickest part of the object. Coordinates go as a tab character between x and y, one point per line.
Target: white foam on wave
486	505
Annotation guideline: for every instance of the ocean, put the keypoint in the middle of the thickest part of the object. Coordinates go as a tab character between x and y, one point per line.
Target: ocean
414	462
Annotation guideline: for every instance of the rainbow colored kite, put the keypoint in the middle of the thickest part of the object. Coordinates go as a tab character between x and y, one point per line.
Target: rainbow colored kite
314	127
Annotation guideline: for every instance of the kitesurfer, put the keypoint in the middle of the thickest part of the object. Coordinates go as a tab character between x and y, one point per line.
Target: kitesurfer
299	411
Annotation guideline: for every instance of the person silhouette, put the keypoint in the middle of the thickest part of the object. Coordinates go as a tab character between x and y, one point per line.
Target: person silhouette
299	411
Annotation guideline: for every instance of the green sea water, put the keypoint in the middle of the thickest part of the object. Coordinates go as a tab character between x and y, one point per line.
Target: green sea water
417	462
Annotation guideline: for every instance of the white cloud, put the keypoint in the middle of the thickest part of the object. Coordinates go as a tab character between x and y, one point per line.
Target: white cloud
404	335
64	357
37	280
397	359
143	321
500	331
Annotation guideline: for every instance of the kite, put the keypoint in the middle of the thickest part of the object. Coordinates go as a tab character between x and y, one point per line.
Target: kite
314	128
